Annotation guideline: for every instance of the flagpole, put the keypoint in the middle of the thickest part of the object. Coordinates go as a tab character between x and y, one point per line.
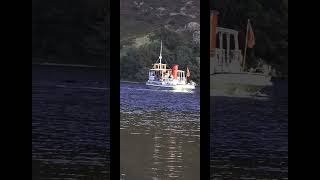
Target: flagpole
245	47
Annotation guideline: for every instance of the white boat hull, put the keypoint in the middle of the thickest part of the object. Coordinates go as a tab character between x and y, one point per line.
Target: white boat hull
174	87
238	83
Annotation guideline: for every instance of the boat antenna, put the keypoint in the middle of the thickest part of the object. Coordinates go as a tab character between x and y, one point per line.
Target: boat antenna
160	56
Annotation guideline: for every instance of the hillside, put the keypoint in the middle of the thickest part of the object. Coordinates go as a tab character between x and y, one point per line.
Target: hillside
144	24
143	16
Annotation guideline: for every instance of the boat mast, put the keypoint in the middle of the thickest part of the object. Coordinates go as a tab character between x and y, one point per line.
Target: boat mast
160	56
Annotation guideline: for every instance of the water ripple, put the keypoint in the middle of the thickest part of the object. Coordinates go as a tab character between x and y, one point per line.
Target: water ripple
160	131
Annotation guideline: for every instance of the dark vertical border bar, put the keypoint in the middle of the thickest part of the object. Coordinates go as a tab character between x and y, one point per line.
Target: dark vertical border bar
205	89
114	8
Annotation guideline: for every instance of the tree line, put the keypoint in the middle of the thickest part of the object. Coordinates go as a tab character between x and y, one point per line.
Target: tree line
74	31
177	49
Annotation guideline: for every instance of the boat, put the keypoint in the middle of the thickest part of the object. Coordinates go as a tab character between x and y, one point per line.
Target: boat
227	73
169	78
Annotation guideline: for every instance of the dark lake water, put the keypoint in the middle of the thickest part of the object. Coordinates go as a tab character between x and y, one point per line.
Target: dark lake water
70	123
159	133
249	136
159	130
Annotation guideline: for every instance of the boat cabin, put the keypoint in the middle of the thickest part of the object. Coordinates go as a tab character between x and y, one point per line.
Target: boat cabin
159	72
159	66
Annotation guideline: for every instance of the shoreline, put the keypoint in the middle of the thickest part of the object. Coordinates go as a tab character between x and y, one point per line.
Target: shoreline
56	62
68	65
60	64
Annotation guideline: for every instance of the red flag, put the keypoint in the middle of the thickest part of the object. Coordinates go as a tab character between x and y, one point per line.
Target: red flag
188	72
251	39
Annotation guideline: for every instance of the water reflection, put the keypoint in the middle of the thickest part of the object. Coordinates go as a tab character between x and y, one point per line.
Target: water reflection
159	142
70	123
249	136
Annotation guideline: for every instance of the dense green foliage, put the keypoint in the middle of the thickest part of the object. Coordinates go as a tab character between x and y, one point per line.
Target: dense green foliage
177	49
138	20
73	31
76	31
269	19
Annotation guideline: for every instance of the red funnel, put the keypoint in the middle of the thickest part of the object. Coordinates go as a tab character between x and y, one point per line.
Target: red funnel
175	71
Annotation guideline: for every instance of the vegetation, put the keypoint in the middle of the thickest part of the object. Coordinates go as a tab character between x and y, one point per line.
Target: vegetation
148	20
177	49
71	31
136	20
75	31
269	20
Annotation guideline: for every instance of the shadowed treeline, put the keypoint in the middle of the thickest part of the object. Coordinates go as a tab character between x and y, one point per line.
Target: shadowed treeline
269	20
74	31
177	49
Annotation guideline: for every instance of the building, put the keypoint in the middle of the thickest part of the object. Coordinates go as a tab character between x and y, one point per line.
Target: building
225	55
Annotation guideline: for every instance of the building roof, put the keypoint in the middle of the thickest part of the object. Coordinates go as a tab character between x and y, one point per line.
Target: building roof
221	29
